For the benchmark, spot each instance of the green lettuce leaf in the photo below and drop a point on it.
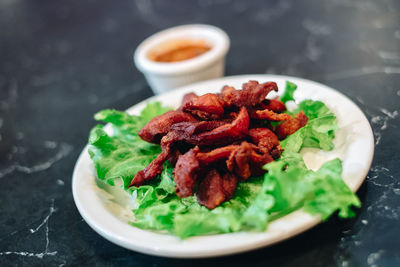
(257, 214)
(319, 130)
(122, 154)
(289, 92)
(115, 158)
(202, 221)
(331, 193)
(322, 192)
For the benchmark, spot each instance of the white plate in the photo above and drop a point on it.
(109, 215)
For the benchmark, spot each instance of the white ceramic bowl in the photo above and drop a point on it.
(163, 77)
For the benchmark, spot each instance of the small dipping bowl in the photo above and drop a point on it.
(165, 76)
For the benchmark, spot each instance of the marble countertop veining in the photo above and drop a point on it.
(62, 61)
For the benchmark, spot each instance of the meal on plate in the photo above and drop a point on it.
(222, 162)
(215, 140)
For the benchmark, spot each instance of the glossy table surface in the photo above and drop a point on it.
(61, 61)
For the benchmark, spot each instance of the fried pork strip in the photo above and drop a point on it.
(159, 126)
(185, 173)
(215, 188)
(291, 126)
(264, 138)
(273, 104)
(270, 115)
(252, 94)
(206, 107)
(227, 133)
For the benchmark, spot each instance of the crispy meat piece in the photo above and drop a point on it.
(174, 155)
(187, 98)
(273, 104)
(237, 158)
(151, 171)
(264, 138)
(191, 128)
(229, 95)
(215, 189)
(270, 115)
(156, 166)
(206, 107)
(239, 161)
(260, 159)
(231, 116)
(252, 94)
(276, 152)
(176, 136)
(221, 153)
(262, 154)
(227, 133)
(187, 132)
(159, 126)
(185, 173)
(291, 126)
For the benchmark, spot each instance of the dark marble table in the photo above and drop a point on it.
(61, 61)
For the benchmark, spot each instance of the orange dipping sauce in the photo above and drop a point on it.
(178, 50)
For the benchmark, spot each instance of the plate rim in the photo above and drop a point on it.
(157, 251)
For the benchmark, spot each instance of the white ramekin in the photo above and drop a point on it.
(166, 76)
